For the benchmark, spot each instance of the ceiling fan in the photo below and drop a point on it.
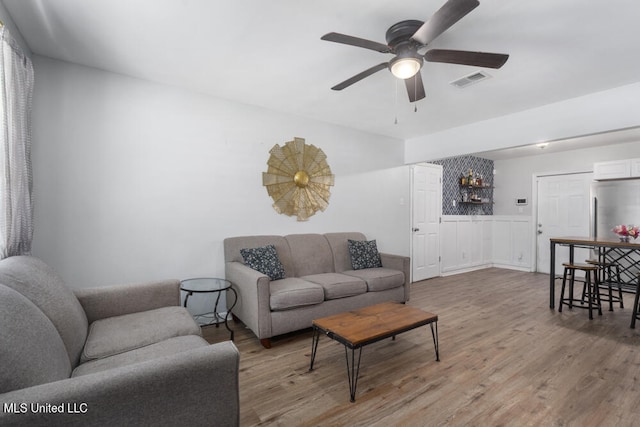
(405, 38)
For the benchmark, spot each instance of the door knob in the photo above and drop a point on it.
(416, 229)
(539, 231)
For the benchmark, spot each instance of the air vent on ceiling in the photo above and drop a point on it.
(470, 79)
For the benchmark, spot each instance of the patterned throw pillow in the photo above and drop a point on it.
(265, 260)
(364, 254)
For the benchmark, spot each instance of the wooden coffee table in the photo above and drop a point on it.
(358, 328)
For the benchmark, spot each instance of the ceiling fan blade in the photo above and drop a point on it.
(356, 41)
(445, 17)
(464, 57)
(360, 76)
(415, 88)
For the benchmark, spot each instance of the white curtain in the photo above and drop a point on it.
(16, 182)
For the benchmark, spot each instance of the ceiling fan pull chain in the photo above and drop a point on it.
(396, 103)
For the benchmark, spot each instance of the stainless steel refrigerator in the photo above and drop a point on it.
(616, 202)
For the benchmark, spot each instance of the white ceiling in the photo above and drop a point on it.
(620, 136)
(269, 53)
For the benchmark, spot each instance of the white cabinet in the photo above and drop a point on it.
(617, 169)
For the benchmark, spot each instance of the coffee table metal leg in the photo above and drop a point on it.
(434, 334)
(314, 346)
(353, 371)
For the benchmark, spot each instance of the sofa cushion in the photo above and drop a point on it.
(364, 254)
(338, 285)
(232, 246)
(340, 248)
(40, 284)
(379, 279)
(265, 260)
(31, 350)
(294, 292)
(115, 335)
(311, 254)
(150, 352)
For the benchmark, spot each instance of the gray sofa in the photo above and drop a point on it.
(118, 355)
(319, 281)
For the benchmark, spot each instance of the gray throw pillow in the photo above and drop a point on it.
(364, 254)
(265, 260)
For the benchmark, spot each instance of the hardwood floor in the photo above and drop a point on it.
(506, 359)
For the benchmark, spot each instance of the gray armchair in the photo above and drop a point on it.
(119, 355)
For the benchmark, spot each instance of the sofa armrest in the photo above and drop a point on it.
(254, 306)
(108, 301)
(402, 263)
(195, 387)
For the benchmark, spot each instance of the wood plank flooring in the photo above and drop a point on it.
(506, 359)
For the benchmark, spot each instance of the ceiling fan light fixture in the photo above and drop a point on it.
(404, 68)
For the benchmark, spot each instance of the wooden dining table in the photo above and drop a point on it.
(608, 248)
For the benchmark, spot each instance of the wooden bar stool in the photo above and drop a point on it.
(609, 274)
(636, 310)
(591, 282)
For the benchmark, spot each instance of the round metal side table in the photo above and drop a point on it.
(205, 285)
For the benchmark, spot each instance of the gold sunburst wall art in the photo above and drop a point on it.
(298, 179)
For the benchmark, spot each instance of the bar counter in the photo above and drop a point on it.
(610, 248)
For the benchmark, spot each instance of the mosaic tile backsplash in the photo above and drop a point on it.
(452, 169)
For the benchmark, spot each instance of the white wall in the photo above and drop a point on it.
(137, 181)
(598, 112)
(514, 177)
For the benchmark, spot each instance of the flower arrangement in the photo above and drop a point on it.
(626, 231)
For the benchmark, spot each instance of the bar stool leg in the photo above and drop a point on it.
(587, 279)
(572, 275)
(608, 275)
(613, 277)
(564, 283)
(610, 291)
(596, 288)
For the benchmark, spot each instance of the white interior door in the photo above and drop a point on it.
(426, 212)
(563, 210)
